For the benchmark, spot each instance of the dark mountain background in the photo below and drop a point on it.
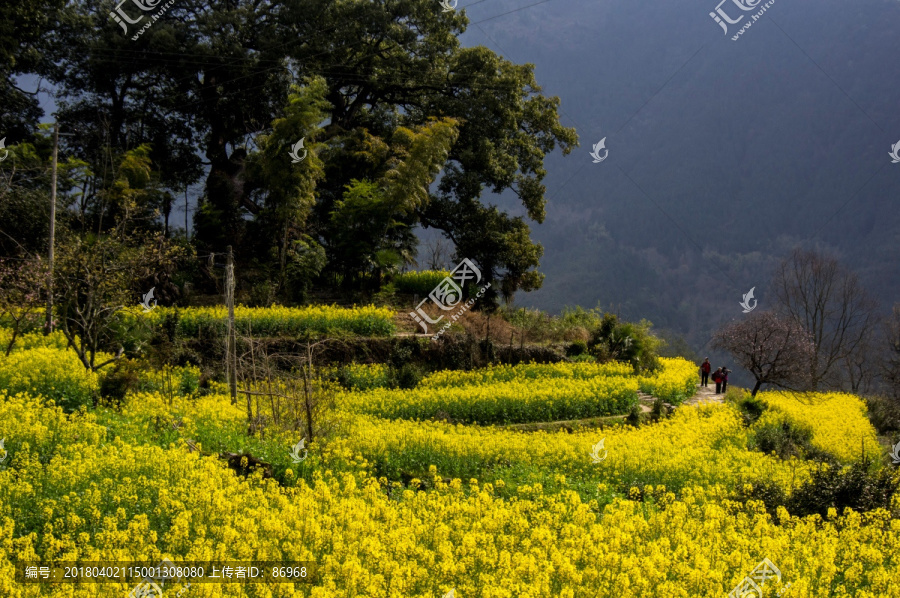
(723, 155)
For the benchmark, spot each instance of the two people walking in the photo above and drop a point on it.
(720, 376)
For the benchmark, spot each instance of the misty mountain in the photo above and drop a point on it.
(723, 155)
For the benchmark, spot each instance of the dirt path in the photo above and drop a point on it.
(705, 394)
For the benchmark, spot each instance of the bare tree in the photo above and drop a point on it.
(23, 286)
(92, 284)
(828, 300)
(891, 364)
(774, 349)
(437, 252)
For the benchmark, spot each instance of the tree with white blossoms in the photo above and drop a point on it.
(774, 349)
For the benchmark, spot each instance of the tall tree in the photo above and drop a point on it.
(399, 63)
(829, 301)
(25, 27)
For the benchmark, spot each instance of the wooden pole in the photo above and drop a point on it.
(230, 349)
(48, 325)
(187, 232)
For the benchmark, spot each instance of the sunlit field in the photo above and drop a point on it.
(397, 503)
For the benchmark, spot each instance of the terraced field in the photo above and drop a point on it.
(396, 503)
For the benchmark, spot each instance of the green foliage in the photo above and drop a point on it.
(635, 416)
(419, 282)
(122, 379)
(286, 191)
(362, 376)
(305, 259)
(626, 341)
(407, 376)
(658, 411)
(784, 437)
(371, 225)
(576, 348)
(856, 487)
(751, 409)
(884, 413)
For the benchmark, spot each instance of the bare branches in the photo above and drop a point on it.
(774, 349)
(832, 305)
(286, 390)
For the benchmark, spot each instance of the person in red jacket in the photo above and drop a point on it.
(704, 372)
(717, 378)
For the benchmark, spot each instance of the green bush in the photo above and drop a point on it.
(751, 407)
(407, 377)
(785, 437)
(635, 416)
(626, 341)
(419, 282)
(118, 381)
(829, 487)
(576, 348)
(835, 487)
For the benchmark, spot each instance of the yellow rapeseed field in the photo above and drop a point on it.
(658, 515)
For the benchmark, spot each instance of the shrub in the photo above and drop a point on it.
(659, 411)
(407, 376)
(784, 437)
(626, 341)
(122, 379)
(751, 407)
(838, 488)
(884, 413)
(358, 376)
(419, 282)
(576, 348)
(635, 416)
(829, 487)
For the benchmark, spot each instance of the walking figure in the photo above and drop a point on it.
(704, 372)
(725, 372)
(717, 378)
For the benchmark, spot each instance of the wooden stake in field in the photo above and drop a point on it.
(230, 348)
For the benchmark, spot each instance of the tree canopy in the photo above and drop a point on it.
(401, 127)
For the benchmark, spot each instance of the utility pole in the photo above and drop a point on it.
(187, 232)
(48, 326)
(230, 348)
